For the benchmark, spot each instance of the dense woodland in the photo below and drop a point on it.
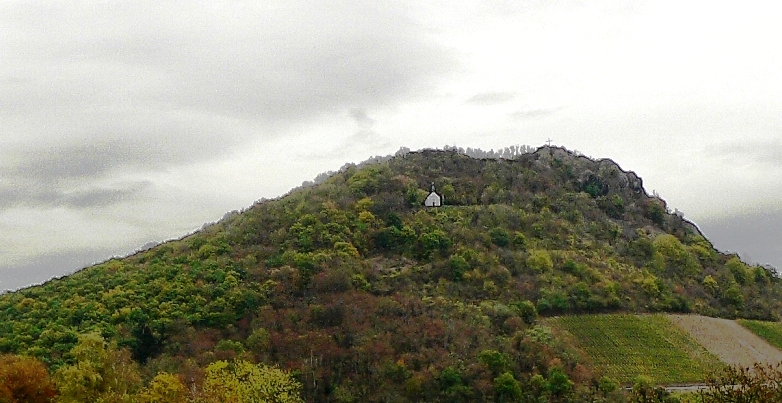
(349, 290)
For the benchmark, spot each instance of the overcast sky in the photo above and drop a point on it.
(129, 122)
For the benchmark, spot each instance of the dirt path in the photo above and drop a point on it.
(728, 340)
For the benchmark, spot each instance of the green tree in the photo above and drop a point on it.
(506, 388)
(452, 387)
(527, 312)
(496, 361)
(558, 383)
(655, 210)
(678, 259)
(710, 284)
(499, 236)
(739, 270)
(607, 385)
(458, 267)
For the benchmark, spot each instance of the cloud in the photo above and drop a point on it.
(143, 86)
(44, 267)
(749, 152)
(361, 118)
(99, 197)
(533, 113)
(35, 195)
(362, 143)
(753, 235)
(100, 172)
(491, 98)
(273, 59)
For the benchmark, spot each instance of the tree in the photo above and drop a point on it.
(644, 391)
(452, 387)
(100, 372)
(24, 380)
(499, 236)
(506, 388)
(241, 381)
(539, 261)
(526, 309)
(496, 361)
(558, 382)
(736, 384)
(164, 387)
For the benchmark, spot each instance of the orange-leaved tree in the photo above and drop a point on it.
(24, 379)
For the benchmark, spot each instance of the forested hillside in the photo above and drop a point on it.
(365, 295)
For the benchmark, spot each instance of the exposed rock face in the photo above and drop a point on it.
(634, 182)
(606, 171)
(604, 178)
(616, 178)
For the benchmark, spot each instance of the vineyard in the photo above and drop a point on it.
(626, 346)
(768, 331)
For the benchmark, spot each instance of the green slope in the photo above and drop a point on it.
(768, 331)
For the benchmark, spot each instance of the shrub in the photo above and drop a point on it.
(496, 361)
(506, 388)
(736, 384)
(527, 312)
(499, 237)
(655, 210)
(739, 270)
(539, 261)
(458, 267)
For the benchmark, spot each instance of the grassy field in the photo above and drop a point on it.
(768, 331)
(625, 346)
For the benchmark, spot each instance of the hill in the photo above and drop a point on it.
(369, 296)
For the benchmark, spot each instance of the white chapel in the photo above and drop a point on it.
(434, 199)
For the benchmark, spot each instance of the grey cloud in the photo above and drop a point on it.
(43, 268)
(38, 195)
(73, 175)
(365, 139)
(533, 113)
(98, 197)
(54, 172)
(274, 60)
(50, 165)
(90, 90)
(491, 98)
(753, 235)
(749, 152)
(361, 118)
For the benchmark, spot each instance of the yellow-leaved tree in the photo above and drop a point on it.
(164, 388)
(240, 381)
(100, 373)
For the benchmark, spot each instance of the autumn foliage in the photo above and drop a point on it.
(24, 380)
